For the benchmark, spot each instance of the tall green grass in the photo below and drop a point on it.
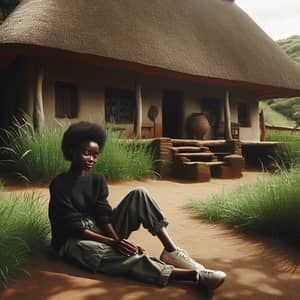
(36, 157)
(24, 229)
(123, 159)
(288, 155)
(269, 206)
(32, 156)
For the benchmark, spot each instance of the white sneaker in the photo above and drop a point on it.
(180, 259)
(210, 278)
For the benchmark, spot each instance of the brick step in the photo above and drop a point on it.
(181, 143)
(195, 154)
(220, 155)
(201, 171)
(190, 149)
(205, 163)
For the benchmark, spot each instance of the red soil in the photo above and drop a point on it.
(256, 268)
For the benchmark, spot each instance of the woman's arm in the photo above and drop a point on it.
(110, 231)
(122, 246)
(103, 217)
(91, 235)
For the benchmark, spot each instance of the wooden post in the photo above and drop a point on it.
(139, 110)
(227, 117)
(38, 108)
(262, 126)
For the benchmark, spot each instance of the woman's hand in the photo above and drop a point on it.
(122, 246)
(127, 248)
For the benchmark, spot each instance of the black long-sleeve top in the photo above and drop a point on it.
(74, 198)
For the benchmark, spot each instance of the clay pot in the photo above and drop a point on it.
(197, 125)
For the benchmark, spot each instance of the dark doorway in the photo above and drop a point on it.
(212, 109)
(172, 111)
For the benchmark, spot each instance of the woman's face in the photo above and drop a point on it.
(88, 154)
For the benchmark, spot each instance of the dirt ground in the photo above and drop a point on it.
(256, 268)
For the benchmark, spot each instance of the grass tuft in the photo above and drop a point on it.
(289, 152)
(32, 156)
(270, 207)
(24, 231)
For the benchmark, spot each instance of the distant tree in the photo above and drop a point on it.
(6, 7)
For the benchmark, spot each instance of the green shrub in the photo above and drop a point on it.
(24, 229)
(269, 206)
(37, 156)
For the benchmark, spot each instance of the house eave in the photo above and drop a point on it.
(263, 92)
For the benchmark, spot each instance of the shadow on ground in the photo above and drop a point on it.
(272, 271)
(248, 278)
(53, 279)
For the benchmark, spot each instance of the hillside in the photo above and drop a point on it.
(287, 107)
(291, 46)
(272, 117)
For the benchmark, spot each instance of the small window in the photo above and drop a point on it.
(66, 100)
(243, 115)
(119, 106)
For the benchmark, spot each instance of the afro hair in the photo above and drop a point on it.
(80, 132)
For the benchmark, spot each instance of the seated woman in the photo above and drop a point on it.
(87, 231)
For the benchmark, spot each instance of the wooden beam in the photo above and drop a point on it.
(227, 117)
(38, 107)
(139, 109)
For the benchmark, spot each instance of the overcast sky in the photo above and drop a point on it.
(278, 18)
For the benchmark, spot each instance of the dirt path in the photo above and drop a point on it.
(256, 269)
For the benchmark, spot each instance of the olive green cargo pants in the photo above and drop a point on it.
(137, 208)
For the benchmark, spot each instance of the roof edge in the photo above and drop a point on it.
(263, 92)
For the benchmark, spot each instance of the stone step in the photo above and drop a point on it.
(205, 163)
(197, 154)
(220, 155)
(188, 149)
(179, 142)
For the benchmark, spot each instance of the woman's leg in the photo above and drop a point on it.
(183, 275)
(166, 240)
(99, 257)
(139, 208)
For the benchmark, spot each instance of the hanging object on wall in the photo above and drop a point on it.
(197, 126)
(152, 115)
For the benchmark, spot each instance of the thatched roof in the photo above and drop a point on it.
(208, 39)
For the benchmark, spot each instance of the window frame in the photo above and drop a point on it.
(116, 101)
(66, 100)
(243, 114)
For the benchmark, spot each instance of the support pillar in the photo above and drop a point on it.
(262, 126)
(227, 117)
(139, 109)
(38, 107)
